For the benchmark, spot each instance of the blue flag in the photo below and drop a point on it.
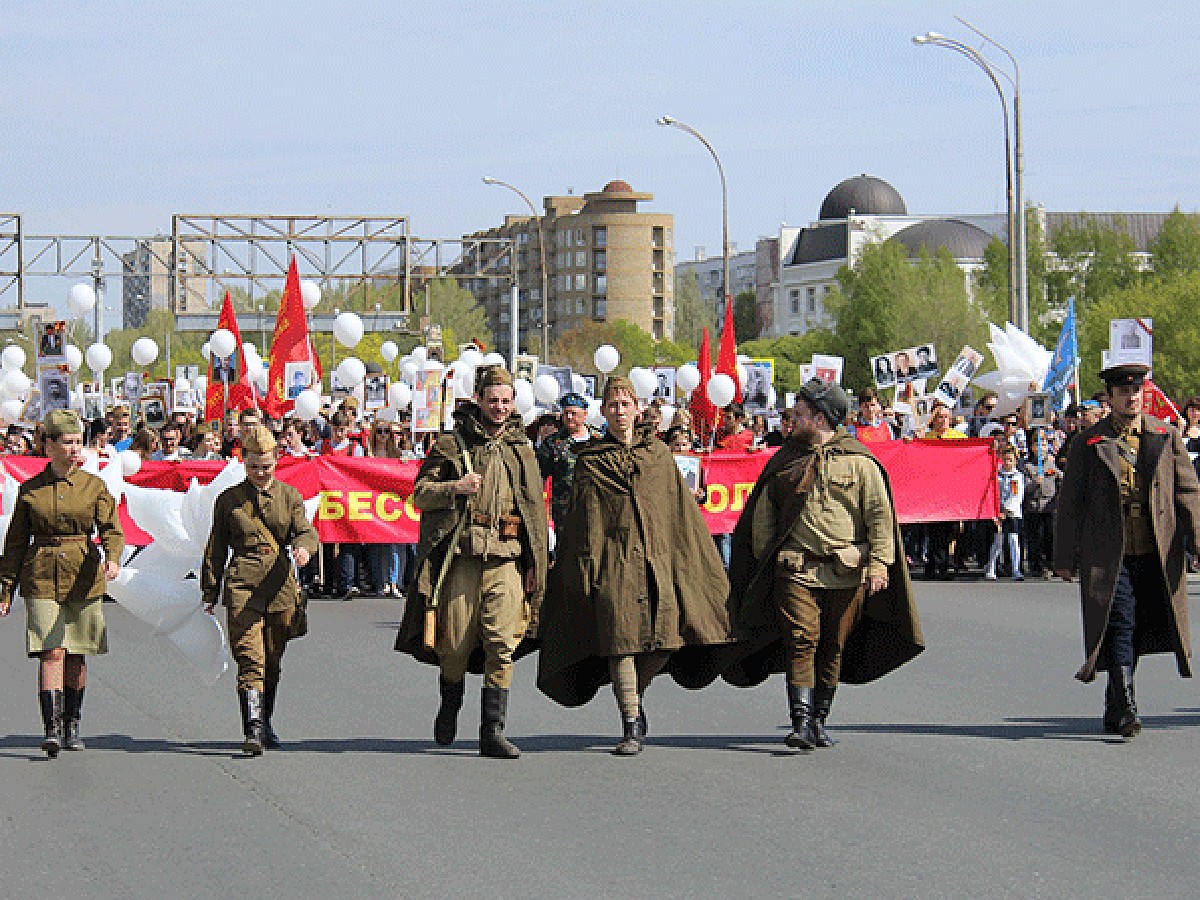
(1066, 358)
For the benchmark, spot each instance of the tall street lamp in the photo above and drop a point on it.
(1019, 160)
(487, 179)
(672, 122)
(940, 40)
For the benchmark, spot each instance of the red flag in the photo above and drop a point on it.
(727, 354)
(229, 384)
(290, 344)
(704, 414)
(1158, 404)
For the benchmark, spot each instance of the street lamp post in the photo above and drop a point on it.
(672, 122)
(487, 179)
(935, 39)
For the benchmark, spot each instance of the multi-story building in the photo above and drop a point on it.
(146, 280)
(605, 260)
(710, 269)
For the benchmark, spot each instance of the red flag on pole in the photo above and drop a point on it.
(727, 354)
(704, 414)
(229, 384)
(290, 344)
(1158, 404)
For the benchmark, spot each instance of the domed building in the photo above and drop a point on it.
(861, 210)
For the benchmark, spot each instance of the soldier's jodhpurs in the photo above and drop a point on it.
(815, 623)
(257, 641)
(1137, 575)
(482, 602)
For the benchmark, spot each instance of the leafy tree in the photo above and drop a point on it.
(692, 313)
(991, 281)
(1093, 261)
(1171, 300)
(577, 348)
(745, 316)
(1176, 247)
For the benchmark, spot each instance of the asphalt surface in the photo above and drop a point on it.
(979, 769)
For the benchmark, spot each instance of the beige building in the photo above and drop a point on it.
(146, 280)
(604, 261)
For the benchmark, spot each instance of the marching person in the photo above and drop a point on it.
(247, 567)
(639, 584)
(819, 581)
(482, 559)
(50, 554)
(1128, 512)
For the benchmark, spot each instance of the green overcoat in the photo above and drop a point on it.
(888, 633)
(636, 572)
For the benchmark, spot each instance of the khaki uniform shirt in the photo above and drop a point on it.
(257, 534)
(843, 532)
(59, 516)
(1135, 502)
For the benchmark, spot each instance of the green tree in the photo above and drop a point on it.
(1171, 300)
(1176, 247)
(745, 316)
(991, 282)
(1094, 260)
(692, 313)
(577, 348)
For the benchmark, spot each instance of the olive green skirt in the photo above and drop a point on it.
(77, 627)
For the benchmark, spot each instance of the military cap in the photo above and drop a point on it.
(62, 421)
(1126, 375)
(571, 398)
(1089, 404)
(258, 441)
(826, 398)
(490, 376)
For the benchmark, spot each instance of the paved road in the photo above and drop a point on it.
(977, 770)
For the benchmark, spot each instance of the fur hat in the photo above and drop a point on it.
(826, 398)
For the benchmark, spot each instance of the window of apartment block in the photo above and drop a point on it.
(601, 284)
(581, 282)
(561, 238)
(656, 282)
(504, 317)
(657, 236)
(600, 236)
(794, 301)
(658, 305)
(599, 260)
(579, 307)
(659, 330)
(658, 260)
(581, 259)
(811, 297)
(579, 241)
(599, 309)
(523, 237)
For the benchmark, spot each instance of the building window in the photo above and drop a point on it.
(657, 237)
(794, 301)
(601, 284)
(658, 260)
(523, 237)
(599, 309)
(579, 242)
(581, 282)
(811, 296)
(658, 307)
(599, 260)
(581, 259)
(600, 236)
(658, 329)
(504, 317)
(579, 307)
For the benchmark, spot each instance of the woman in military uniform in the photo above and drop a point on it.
(50, 554)
(257, 521)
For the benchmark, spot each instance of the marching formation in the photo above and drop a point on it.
(817, 587)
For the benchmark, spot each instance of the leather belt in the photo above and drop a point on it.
(508, 527)
(57, 540)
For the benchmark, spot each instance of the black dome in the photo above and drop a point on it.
(962, 239)
(863, 194)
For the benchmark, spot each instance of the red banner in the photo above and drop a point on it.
(369, 501)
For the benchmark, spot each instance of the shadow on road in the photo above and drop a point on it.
(1070, 728)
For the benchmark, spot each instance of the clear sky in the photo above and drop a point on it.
(115, 115)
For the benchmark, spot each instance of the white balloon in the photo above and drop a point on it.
(743, 358)
(206, 351)
(606, 358)
(408, 371)
(131, 463)
(494, 359)
(721, 390)
(389, 351)
(466, 380)
(528, 416)
(11, 409)
(16, 382)
(644, 382)
(687, 377)
(308, 405)
(471, 357)
(74, 357)
(310, 294)
(578, 383)
(545, 388)
(522, 395)
(595, 417)
(743, 376)
(771, 397)
(348, 329)
(144, 351)
(668, 416)
(419, 355)
(99, 357)
(553, 540)
(261, 378)
(400, 395)
(388, 414)
(351, 371)
(223, 343)
(13, 357)
(200, 385)
(81, 299)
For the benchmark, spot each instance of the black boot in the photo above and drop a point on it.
(52, 717)
(1112, 707)
(252, 721)
(72, 708)
(445, 725)
(800, 705)
(631, 743)
(1127, 721)
(822, 702)
(270, 738)
(492, 741)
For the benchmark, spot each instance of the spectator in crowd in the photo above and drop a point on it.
(121, 429)
(734, 435)
(171, 447)
(208, 445)
(384, 560)
(985, 409)
(1041, 492)
(870, 425)
(1190, 425)
(681, 443)
(145, 443)
(342, 561)
(942, 536)
(1012, 507)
